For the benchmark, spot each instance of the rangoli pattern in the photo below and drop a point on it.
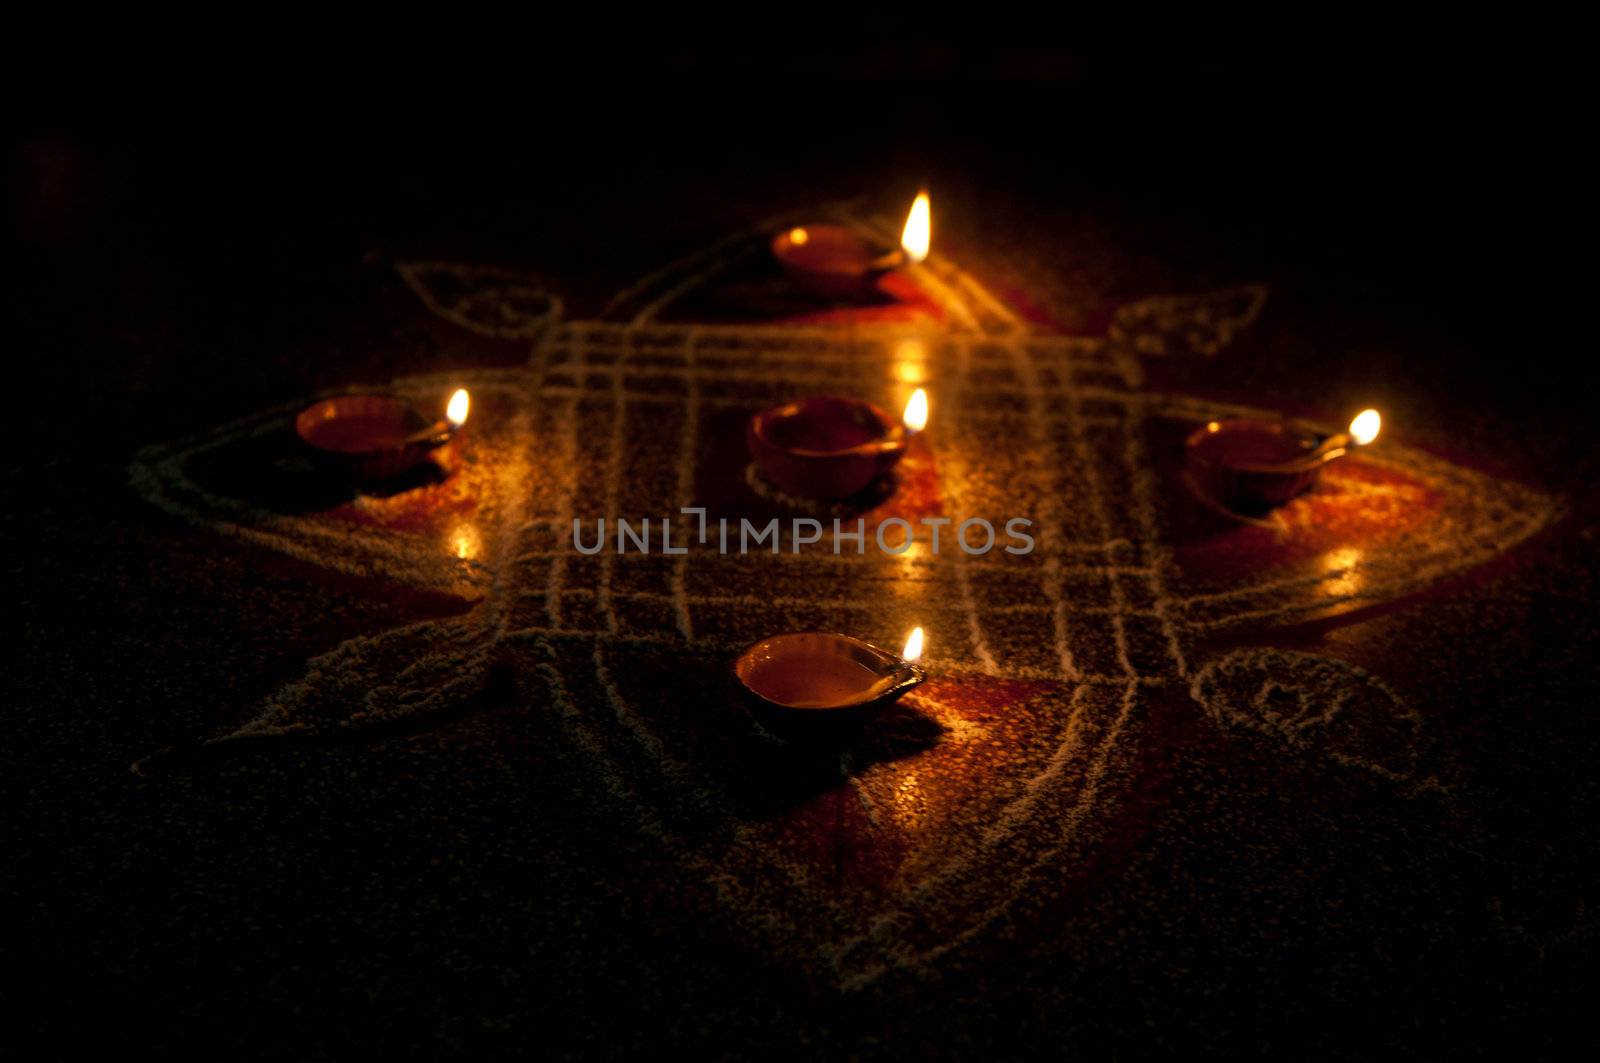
(1013, 762)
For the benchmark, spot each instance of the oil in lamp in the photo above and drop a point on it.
(1253, 465)
(814, 679)
(831, 447)
(375, 437)
(832, 262)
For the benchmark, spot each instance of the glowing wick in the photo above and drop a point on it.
(915, 417)
(456, 412)
(913, 650)
(1364, 429)
(917, 236)
(798, 237)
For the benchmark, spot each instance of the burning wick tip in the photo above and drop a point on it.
(456, 411)
(915, 416)
(917, 236)
(1364, 427)
(1363, 430)
(439, 432)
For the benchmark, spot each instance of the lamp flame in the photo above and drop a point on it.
(915, 417)
(917, 236)
(456, 412)
(798, 237)
(913, 650)
(1364, 429)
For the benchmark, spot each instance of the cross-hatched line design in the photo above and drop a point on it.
(634, 401)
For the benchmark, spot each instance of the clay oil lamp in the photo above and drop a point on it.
(817, 682)
(1255, 465)
(376, 437)
(831, 447)
(832, 262)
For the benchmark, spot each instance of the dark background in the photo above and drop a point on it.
(201, 236)
(1429, 177)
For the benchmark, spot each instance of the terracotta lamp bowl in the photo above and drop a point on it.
(829, 260)
(1252, 465)
(370, 437)
(814, 680)
(826, 447)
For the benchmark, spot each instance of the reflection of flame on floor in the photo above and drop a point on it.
(917, 552)
(1342, 571)
(911, 362)
(910, 804)
(465, 542)
(957, 728)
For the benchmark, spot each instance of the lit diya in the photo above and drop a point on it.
(1258, 464)
(375, 437)
(830, 447)
(833, 262)
(815, 679)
